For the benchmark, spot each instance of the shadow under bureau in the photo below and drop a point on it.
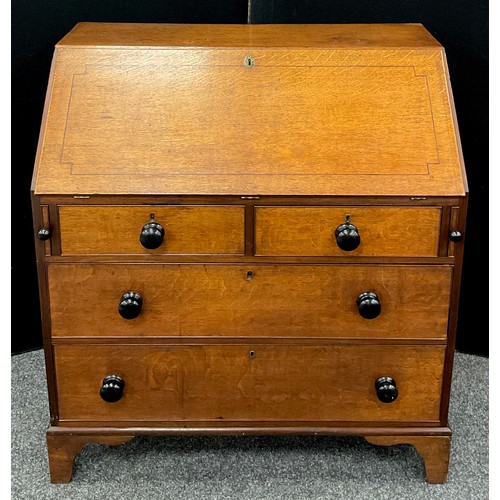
(249, 230)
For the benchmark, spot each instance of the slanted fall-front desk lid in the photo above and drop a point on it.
(249, 110)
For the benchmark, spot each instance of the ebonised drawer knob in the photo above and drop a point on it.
(368, 305)
(152, 234)
(387, 392)
(130, 305)
(347, 235)
(112, 388)
(455, 236)
(43, 234)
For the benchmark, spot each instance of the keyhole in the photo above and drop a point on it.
(249, 275)
(251, 354)
(249, 61)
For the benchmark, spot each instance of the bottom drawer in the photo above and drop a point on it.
(254, 382)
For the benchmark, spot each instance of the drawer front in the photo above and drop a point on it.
(283, 383)
(383, 231)
(117, 229)
(275, 300)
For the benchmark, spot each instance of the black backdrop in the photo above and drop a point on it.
(460, 25)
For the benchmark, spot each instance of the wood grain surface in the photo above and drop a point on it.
(202, 120)
(220, 300)
(384, 231)
(188, 229)
(217, 35)
(228, 382)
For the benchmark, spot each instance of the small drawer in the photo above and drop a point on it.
(253, 382)
(249, 301)
(186, 230)
(382, 231)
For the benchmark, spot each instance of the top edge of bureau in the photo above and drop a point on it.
(275, 36)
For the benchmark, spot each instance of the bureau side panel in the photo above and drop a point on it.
(41, 220)
(458, 250)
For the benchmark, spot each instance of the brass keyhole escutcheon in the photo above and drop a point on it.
(251, 354)
(249, 61)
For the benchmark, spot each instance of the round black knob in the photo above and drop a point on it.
(387, 392)
(347, 237)
(130, 305)
(152, 235)
(43, 234)
(368, 305)
(455, 236)
(112, 388)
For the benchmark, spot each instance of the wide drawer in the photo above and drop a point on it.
(249, 382)
(383, 231)
(254, 300)
(117, 229)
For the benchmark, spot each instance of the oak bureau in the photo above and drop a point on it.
(249, 229)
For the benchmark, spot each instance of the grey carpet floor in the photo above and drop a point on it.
(241, 468)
